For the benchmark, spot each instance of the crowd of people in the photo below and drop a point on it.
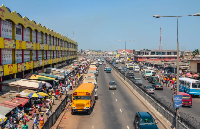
(42, 105)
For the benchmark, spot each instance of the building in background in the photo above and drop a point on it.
(27, 46)
(155, 55)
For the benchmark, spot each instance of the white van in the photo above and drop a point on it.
(136, 69)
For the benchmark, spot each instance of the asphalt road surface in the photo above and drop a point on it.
(115, 109)
(166, 95)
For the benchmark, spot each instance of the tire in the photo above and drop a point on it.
(72, 112)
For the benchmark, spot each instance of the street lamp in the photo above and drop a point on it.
(177, 63)
(125, 47)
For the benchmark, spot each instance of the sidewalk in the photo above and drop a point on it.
(54, 107)
(63, 113)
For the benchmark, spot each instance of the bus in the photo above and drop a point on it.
(83, 98)
(189, 86)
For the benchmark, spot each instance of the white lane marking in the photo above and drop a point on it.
(120, 110)
(113, 92)
(92, 127)
(127, 127)
(116, 100)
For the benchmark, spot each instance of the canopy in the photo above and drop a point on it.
(43, 94)
(48, 75)
(21, 101)
(4, 110)
(39, 77)
(195, 75)
(26, 92)
(9, 104)
(34, 95)
(188, 74)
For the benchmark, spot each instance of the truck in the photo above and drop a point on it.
(93, 81)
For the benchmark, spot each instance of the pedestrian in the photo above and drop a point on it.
(66, 89)
(60, 98)
(25, 126)
(63, 89)
(41, 121)
(57, 93)
(37, 112)
(35, 124)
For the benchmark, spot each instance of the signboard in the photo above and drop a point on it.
(177, 101)
(9, 43)
(41, 46)
(38, 46)
(10, 69)
(49, 61)
(58, 47)
(50, 47)
(35, 64)
(34, 46)
(29, 65)
(29, 45)
(20, 44)
(1, 42)
(21, 67)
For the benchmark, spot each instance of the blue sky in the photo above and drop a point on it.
(98, 24)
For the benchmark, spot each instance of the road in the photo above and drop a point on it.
(166, 95)
(115, 109)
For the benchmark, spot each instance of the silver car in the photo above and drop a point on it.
(149, 89)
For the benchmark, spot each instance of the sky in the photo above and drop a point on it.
(107, 24)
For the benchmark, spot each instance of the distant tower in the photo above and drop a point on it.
(160, 44)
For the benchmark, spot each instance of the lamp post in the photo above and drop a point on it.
(177, 62)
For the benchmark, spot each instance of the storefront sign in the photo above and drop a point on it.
(29, 65)
(20, 44)
(41, 46)
(49, 61)
(21, 67)
(10, 69)
(29, 45)
(1, 42)
(36, 64)
(53, 61)
(34, 46)
(46, 62)
(50, 47)
(46, 47)
(53, 47)
(9, 43)
(58, 47)
(38, 46)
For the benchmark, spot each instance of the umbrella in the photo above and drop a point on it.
(35, 95)
(195, 75)
(188, 74)
(42, 94)
(48, 85)
(2, 119)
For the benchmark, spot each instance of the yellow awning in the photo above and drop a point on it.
(38, 77)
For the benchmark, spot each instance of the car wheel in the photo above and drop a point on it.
(72, 112)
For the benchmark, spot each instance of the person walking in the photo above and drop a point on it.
(41, 121)
(57, 93)
(25, 126)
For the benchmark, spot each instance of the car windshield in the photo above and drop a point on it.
(138, 80)
(195, 85)
(148, 71)
(186, 97)
(131, 74)
(81, 97)
(147, 120)
(158, 84)
(149, 87)
(112, 83)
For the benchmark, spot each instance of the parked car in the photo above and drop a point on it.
(149, 89)
(112, 85)
(144, 120)
(153, 79)
(100, 63)
(157, 86)
(105, 68)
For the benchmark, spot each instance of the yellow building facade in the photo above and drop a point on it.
(27, 45)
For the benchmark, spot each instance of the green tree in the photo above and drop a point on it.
(195, 52)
